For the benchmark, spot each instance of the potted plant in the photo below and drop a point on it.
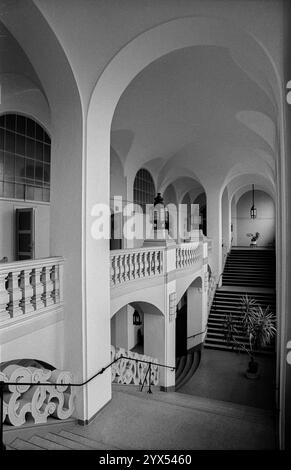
(254, 238)
(258, 325)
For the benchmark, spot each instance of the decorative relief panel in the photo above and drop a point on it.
(36, 401)
(128, 372)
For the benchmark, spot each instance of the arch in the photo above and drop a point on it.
(140, 52)
(144, 189)
(28, 362)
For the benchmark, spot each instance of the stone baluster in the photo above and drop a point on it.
(132, 261)
(4, 298)
(143, 264)
(138, 265)
(123, 268)
(118, 269)
(38, 289)
(55, 277)
(114, 268)
(128, 267)
(147, 264)
(27, 292)
(15, 295)
(48, 286)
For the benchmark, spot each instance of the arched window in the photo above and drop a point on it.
(143, 188)
(25, 159)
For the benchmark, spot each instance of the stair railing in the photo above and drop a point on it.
(197, 334)
(81, 384)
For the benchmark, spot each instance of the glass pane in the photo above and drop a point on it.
(30, 128)
(19, 169)
(1, 138)
(20, 124)
(46, 195)
(38, 194)
(29, 169)
(24, 242)
(8, 189)
(24, 220)
(19, 191)
(46, 173)
(11, 122)
(39, 151)
(47, 153)
(30, 148)
(1, 189)
(9, 166)
(9, 141)
(20, 144)
(47, 138)
(2, 120)
(39, 133)
(1, 165)
(29, 193)
(38, 172)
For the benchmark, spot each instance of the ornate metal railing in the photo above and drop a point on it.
(28, 287)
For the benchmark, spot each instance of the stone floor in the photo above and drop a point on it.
(221, 376)
(218, 409)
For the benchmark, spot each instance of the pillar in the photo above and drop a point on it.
(214, 230)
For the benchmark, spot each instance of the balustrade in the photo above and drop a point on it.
(29, 286)
(128, 265)
(188, 254)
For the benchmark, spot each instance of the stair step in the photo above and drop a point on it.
(21, 444)
(47, 443)
(67, 442)
(89, 443)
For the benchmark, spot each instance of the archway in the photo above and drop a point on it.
(263, 224)
(145, 49)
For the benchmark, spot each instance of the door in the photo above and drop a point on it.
(24, 234)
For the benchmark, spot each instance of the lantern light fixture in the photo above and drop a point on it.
(136, 318)
(253, 210)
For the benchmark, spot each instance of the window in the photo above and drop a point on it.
(143, 188)
(25, 159)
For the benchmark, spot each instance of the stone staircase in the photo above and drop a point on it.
(250, 267)
(247, 271)
(186, 366)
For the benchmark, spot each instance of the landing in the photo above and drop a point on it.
(220, 376)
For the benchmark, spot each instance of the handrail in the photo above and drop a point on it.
(53, 384)
(197, 334)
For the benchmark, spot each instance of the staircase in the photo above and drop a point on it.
(247, 271)
(250, 267)
(186, 366)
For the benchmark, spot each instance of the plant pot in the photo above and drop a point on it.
(252, 372)
(253, 244)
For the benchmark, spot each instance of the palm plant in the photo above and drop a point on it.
(257, 323)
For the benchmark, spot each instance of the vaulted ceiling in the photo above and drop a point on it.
(197, 112)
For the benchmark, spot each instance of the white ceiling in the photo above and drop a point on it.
(195, 110)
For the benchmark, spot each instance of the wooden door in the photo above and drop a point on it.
(24, 234)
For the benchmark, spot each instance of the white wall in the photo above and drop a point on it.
(123, 331)
(264, 223)
(7, 228)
